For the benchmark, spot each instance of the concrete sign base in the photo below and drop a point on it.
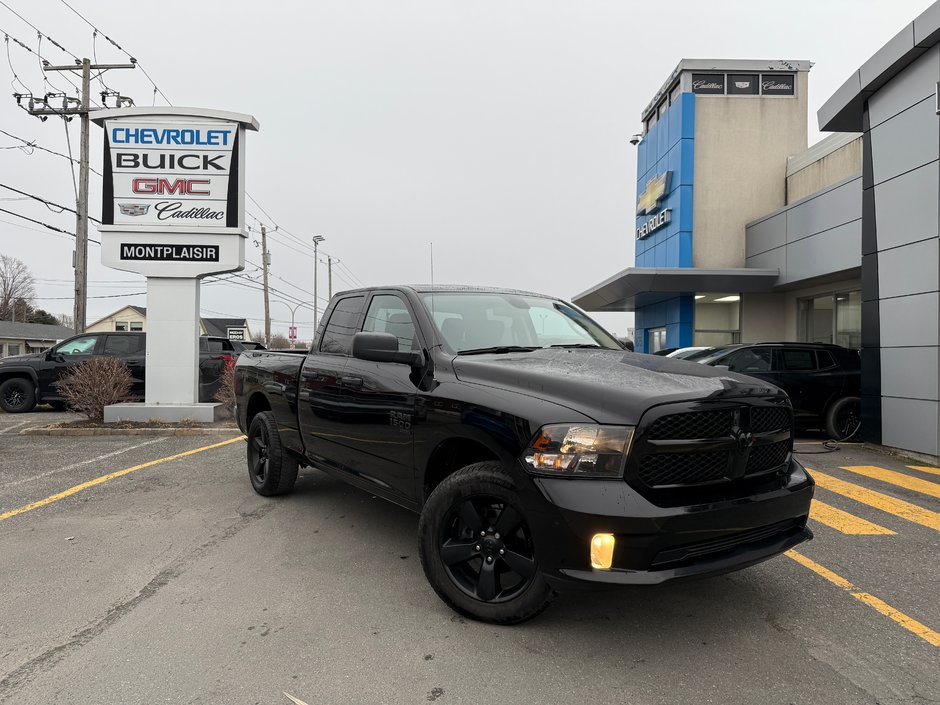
(205, 413)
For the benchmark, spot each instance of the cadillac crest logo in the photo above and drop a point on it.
(133, 208)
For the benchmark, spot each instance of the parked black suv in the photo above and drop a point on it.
(539, 453)
(822, 381)
(27, 380)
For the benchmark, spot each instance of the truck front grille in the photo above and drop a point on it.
(710, 446)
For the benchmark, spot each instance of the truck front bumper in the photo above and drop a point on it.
(656, 544)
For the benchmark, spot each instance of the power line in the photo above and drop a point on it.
(84, 19)
(35, 52)
(104, 296)
(45, 225)
(32, 145)
(51, 40)
(44, 201)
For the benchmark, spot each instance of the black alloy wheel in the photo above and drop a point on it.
(271, 468)
(478, 549)
(487, 549)
(258, 458)
(844, 418)
(17, 396)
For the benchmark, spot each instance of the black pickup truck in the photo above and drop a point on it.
(540, 454)
(27, 380)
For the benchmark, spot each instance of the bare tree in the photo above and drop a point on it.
(65, 319)
(279, 342)
(16, 288)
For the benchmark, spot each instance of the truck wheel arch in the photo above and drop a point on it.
(450, 456)
(256, 404)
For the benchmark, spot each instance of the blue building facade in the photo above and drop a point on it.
(668, 148)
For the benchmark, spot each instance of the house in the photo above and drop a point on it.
(22, 338)
(134, 318)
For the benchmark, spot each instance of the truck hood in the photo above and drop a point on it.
(610, 386)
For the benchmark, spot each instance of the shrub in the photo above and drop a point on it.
(225, 394)
(95, 384)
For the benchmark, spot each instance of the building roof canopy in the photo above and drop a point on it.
(619, 292)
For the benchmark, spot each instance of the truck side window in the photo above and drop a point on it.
(342, 326)
(388, 314)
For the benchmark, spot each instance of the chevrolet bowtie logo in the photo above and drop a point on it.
(656, 190)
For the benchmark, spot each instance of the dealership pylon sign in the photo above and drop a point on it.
(173, 210)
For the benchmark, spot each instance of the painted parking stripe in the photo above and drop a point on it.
(110, 476)
(926, 487)
(909, 623)
(843, 521)
(73, 466)
(925, 468)
(7, 429)
(897, 507)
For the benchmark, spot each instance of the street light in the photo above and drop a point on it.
(317, 239)
(293, 311)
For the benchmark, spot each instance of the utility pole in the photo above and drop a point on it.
(41, 108)
(329, 277)
(317, 239)
(265, 262)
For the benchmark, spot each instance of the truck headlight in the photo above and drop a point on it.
(579, 450)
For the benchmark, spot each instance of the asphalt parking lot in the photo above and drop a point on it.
(145, 570)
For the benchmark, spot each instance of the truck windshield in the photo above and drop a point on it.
(502, 322)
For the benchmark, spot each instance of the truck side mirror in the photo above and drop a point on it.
(383, 347)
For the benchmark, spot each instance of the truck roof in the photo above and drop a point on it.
(449, 288)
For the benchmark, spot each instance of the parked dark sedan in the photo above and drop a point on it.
(822, 381)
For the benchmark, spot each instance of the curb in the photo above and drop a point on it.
(52, 431)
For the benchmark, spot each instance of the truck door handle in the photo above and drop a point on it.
(352, 382)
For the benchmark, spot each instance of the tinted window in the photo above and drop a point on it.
(825, 359)
(343, 324)
(750, 360)
(797, 360)
(388, 314)
(123, 344)
(78, 346)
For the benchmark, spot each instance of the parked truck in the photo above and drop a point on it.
(540, 454)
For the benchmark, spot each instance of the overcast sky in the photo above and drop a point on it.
(496, 130)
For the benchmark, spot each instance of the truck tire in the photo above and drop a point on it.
(17, 396)
(477, 550)
(843, 419)
(271, 469)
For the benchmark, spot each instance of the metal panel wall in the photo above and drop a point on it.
(901, 267)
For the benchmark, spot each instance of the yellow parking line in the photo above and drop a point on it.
(110, 476)
(897, 507)
(925, 468)
(896, 478)
(843, 521)
(909, 623)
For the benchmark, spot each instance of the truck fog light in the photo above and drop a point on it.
(602, 551)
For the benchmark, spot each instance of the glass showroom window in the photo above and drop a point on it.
(717, 319)
(832, 318)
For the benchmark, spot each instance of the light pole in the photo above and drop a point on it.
(317, 239)
(293, 312)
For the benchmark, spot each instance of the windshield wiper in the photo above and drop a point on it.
(498, 349)
(580, 345)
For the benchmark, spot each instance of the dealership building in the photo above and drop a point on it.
(743, 234)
